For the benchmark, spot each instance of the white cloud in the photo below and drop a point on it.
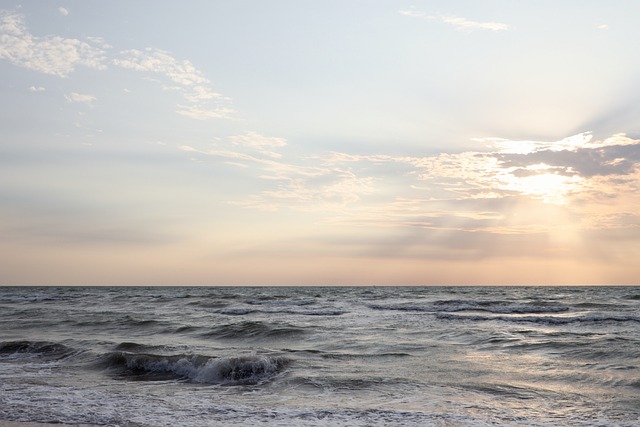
(159, 61)
(36, 89)
(603, 27)
(472, 192)
(295, 186)
(184, 77)
(468, 25)
(459, 23)
(50, 54)
(80, 97)
(262, 144)
(202, 93)
(63, 11)
(99, 41)
(412, 13)
(198, 113)
(60, 56)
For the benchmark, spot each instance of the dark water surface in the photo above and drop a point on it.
(410, 356)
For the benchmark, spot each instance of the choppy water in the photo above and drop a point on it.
(443, 356)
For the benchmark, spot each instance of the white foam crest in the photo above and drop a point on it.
(237, 369)
(226, 370)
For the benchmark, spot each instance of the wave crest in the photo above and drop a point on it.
(253, 329)
(199, 369)
(551, 320)
(453, 306)
(35, 349)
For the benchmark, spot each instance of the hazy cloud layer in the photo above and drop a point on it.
(468, 192)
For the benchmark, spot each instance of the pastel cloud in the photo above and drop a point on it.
(80, 97)
(60, 56)
(462, 24)
(54, 55)
(296, 185)
(469, 25)
(471, 194)
(186, 78)
(263, 144)
(159, 61)
(198, 113)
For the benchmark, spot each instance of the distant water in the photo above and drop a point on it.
(296, 356)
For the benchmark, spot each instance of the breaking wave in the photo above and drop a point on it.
(200, 369)
(43, 350)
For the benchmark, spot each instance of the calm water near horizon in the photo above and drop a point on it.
(321, 356)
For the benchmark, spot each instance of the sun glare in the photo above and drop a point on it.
(549, 187)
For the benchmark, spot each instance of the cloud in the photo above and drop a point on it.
(60, 56)
(159, 61)
(294, 185)
(548, 190)
(63, 11)
(80, 98)
(202, 93)
(412, 13)
(260, 143)
(468, 25)
(36, 89)
(54, 55)
(617, 155)
(462, 24)
(184, 77)
(198, 113)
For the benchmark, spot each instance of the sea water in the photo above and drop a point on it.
(321, 356)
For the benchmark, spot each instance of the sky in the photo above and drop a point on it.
(295, 142)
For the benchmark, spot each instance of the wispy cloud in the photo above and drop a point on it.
(263, 144)
(80, 98)
(50, 54)
(159, 61)
(36, 89)
(296, 185)
(460, 23)
(199, 113)
(469, 25)
(63, 11)
(467, 192)
(413, 13)
(184, 76)
(60, 56)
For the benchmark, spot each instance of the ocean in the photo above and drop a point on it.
(321, 356)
